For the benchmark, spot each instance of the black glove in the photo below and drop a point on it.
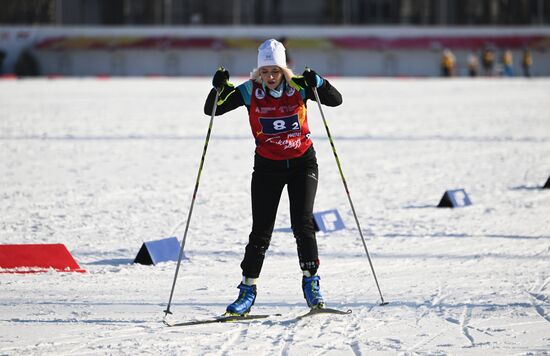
(311, 78)
(220, 78)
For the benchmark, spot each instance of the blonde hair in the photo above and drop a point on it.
(255, 74)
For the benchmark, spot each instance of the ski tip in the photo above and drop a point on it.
(384, 303)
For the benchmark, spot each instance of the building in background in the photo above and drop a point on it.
(275, 12)
(340, 37)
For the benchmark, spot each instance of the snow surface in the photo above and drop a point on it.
(103, 165)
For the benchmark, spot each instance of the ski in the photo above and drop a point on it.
(238, 318)
(220, 319)
(324, 311)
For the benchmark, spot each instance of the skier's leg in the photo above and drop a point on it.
(302, 189)
(266, 189)
(266, 194)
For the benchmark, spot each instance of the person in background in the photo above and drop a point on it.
(289, 61)
(276, 100)
(488, 62)
(26, 65)
(526, 62)
(473, 64)
(447, 63)
(507, 63)
(2, 56)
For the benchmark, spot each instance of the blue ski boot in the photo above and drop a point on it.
(312, 292)
(244, 302)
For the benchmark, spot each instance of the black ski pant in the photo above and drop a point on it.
(268, 180)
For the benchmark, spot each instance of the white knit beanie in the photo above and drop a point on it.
(271, 53)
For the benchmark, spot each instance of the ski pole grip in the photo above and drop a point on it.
(221, 69)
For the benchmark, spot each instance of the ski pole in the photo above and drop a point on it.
(167, 311)
(347, 192)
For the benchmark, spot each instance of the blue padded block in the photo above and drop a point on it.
(455, 198)
(328, 221)
(153, 252)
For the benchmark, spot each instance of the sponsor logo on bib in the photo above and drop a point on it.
(260, 94)
(290, 91)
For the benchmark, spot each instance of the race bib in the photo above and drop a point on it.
(278, 125)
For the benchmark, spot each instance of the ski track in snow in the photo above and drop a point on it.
(239, 334)
(102, 166)
(287, 337)
(538, 300)
(465, 320)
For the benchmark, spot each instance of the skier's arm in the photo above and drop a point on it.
(328, 94)
(229, 98)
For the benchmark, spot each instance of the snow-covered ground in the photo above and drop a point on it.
(102, 166)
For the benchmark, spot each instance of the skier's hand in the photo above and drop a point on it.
(220, 78)
(312, 79)
(220, 81)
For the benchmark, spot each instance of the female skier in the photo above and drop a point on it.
(276, 102)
